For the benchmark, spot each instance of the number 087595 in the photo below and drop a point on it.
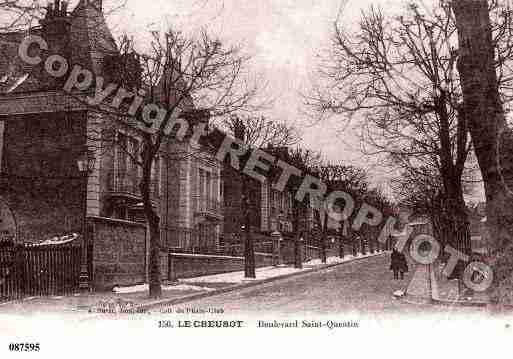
(24, 347)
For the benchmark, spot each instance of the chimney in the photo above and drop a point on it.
(56, 10)
(49, 10)
(56, 26)
(64, 8)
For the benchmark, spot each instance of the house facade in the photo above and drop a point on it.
(271, 210)
(44, 131)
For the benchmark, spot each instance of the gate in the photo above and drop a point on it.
(38, 271)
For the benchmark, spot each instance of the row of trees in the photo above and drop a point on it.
(260, 133)
(192, 76)
(430, 88)
(189, 76)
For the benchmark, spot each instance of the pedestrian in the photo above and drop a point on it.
(403, 265)
(398, 264)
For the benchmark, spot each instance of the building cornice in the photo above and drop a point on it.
(41, 102)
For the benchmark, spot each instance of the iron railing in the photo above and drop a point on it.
(209, 205)
(127, 182)
(38, 270)
(188, 240)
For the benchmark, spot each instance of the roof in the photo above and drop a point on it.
(89, 41)
(14, 73)
(90, 36)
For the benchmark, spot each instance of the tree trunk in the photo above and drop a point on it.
(298, 261)
(249, 250)
(324, 236)
(482, 104)
(154, 260)
(153, 222)
(458, 232)
(492, 139)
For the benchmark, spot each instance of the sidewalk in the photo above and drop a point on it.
(448, 292)
(172, 293)
(430, 285)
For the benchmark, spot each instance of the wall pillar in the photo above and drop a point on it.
(93, 143)
(2, 129)
(264, 215)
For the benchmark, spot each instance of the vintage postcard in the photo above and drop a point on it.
(271, 177)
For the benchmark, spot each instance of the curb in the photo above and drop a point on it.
(459, 303)
(215, 292)
(412, 299)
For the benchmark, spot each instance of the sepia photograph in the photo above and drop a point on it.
(256, 177)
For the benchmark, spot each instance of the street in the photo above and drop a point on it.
(363, 286)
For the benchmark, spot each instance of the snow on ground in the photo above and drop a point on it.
(335, 260)
(398, 293)
(238, 277)
(267, 272)
(145, 288)
(57, 240)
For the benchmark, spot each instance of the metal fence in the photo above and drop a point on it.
(183, 238)
(209, 205)
(128, 182)
(188, 240)
(38, 270)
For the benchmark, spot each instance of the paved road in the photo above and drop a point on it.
(364, 286)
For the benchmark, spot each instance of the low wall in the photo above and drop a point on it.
(196, 265)
(312, 252)
(307, 252)
(117, 252)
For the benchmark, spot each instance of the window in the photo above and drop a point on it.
(125, 166)
(122, 157)
(205, 184)
(127, 153)
(155, 176)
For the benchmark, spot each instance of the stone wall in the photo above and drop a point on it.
(307, 252)
(232, 198)
(195, 265)
(232, 204)
(118, 252)
(312, 252)
(40, 180)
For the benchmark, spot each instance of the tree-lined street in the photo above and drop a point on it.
(190, 105)
(365, 286)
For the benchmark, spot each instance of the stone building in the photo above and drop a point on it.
(270, 209)
(45, 130)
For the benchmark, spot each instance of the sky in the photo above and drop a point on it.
(284, 38)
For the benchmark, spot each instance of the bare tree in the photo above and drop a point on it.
(192, 78)
(256, 132)
(484, 103)
(18, 15)
(260, 131)
(337, 177)
(305, 160)
(397, 74)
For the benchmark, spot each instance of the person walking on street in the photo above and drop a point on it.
(398, 264)
(403, 265)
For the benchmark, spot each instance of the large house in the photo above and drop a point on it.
(271, 210)
(44, 131)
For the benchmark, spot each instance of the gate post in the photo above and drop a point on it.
(90, 256)
(171, 271)
(20, 275)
